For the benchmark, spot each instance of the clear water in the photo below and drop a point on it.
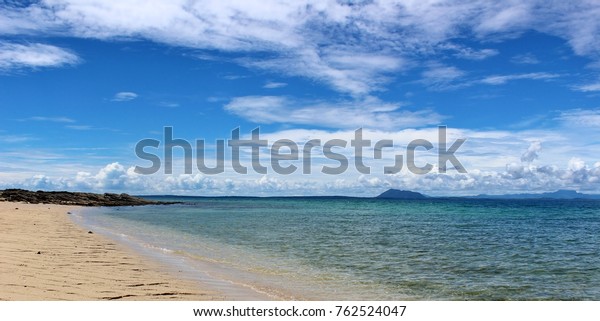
(364, 249)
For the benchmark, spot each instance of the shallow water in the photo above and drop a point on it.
(365, 249)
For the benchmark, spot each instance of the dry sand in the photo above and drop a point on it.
(45, 256)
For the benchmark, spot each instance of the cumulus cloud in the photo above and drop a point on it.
(496, 162)
(516, 177)
(34, 55)
(532, 152)
(112, 177)
(124, 96)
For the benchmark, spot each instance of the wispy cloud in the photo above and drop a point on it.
(469, 53)
(49, 119)
(503, 79)
(168, 104)
(369, 112)
(11, 139)
(34, 55)
(90, 127)
(80, 127)
(343, 69)
(441, 77)
(354, 47)
(274, 85)
(234, 77)
(588, 87)
(525, 59)
(581, 118)
(466, 53)
(124, 96)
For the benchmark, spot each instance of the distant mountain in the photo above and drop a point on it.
(560, 194)
(401, 195)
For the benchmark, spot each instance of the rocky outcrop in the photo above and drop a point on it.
(73, 198)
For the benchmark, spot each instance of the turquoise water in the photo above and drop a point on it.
(365, 249)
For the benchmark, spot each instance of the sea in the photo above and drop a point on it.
(368, 249)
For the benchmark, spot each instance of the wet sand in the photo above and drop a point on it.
(45, 256)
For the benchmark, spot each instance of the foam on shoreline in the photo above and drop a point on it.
(209, 276)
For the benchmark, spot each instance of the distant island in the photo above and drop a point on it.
(400, 194)
(73, 198)
(560, 194)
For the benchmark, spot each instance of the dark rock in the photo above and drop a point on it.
(74, 198)
(39, 252)
(90, 232)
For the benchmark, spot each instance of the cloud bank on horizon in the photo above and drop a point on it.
(82, 81)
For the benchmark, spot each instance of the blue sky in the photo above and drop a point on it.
(81, 82)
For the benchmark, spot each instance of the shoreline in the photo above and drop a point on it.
(209, 274)
(46, 256)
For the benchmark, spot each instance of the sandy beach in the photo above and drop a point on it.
(45, 256)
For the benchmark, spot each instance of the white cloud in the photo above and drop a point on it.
(581, 118)
(344, 69)
(34, 55)
(589, 87)
(274, 85)
(234, 77)
(369, 112)
(532, 152)
(470, 53)
(497, 162)
(441, 77)
(505, 16)
(12, 139)
(576, 22)
(575, 164)
(525, 59)
(124, 96)
(50, 119)
(79, 127)
(503, 79)
(353, 47)
(168, 104)
(515, 177)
